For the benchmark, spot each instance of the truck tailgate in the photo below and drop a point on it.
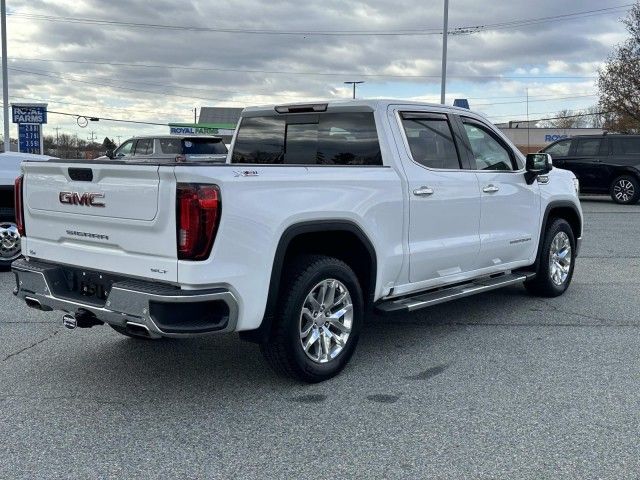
(109, 217)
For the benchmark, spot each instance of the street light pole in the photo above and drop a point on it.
(354, 86)
(445, 34)
(5, 76)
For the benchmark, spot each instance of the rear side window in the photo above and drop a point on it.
(625, 146)
(309, 139)
(560, 149)
(144, 147)
(587, 147)
(171, 146)
(431, 141)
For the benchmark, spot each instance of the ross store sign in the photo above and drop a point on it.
(23, 113)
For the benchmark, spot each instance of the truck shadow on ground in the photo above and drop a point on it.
(221, 366)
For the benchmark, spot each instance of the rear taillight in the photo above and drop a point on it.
(198, 209)
(18, 205)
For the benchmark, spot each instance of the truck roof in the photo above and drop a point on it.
(357, 104)
(201, 137)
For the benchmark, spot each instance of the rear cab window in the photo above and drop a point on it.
(333, 138)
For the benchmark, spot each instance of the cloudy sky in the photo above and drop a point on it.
(155, 60)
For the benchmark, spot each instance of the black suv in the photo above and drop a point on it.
(606, 164)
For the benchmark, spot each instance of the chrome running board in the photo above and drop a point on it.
(447, 294)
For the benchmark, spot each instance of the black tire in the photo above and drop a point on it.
(284, 351)
(5, 264)
(542, 284)
(127, 333)
(625, 190)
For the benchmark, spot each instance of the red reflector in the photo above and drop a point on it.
(18, 206)
(197, 214)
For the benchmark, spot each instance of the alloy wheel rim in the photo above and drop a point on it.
(624, 190)
(326, 320)
(560, 258)
(9, 241)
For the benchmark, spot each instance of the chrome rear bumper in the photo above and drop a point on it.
(156, 307)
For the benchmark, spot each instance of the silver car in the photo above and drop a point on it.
(172, 147)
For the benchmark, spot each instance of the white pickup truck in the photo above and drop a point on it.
(321, 213)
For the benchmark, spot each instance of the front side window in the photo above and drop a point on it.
(488, 152)
(124, 149)
(144, 147)
(559, 149)
(587, 147)
(308, 139)
(431, 141)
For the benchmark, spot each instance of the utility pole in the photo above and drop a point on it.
(445, 35)
(119, 137)
(93, 137)
(354, 86)
(195, 113)
(528, 125)
(5, 76)
(57, 138)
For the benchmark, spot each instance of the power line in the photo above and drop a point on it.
(286, 72)
(257, 31)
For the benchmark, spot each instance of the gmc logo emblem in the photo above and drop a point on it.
(85, 199)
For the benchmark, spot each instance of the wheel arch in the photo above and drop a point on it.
(559, 209)
(622, 171)
(343, 239)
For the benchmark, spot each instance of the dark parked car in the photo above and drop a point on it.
(604, 164)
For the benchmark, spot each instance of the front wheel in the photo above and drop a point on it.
(625, 190)
(557, 259)
(318, 319)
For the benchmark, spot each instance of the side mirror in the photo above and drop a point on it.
(537, 164)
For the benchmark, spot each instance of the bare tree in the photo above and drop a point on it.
(565, 119)
(619, 80)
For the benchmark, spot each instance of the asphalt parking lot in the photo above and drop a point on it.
(497, 386)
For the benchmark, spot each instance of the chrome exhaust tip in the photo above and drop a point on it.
(138, 329)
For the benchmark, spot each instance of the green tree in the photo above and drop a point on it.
(619, 80)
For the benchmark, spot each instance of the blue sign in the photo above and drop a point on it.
(29, 138)
(29, 113)
(553, 138)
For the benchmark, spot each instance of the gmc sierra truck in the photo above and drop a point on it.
(322, 213)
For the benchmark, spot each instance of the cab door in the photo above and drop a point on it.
(444, 199)
(510, 216)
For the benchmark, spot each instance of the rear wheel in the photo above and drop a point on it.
(555, 269)
(319, 315)
(625, 190)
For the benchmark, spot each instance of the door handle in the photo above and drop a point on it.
(490, 189)
(423, 191)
